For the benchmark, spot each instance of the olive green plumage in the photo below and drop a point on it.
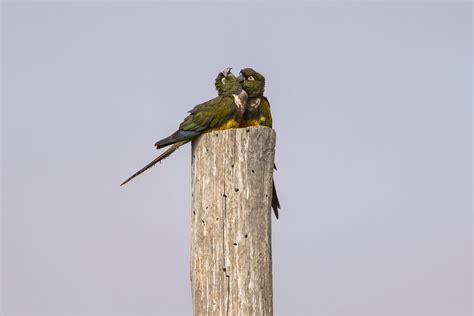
(253, 82)
(224, 111)
(258, 107)
(257, 111)
(240, 103)
(226, 82)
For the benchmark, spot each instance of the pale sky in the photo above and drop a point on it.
(372, 109)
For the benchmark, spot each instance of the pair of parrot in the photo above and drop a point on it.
(240, 103)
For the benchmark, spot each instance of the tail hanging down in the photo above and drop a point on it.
(275, 201)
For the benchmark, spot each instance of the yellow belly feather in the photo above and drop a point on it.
(227, 125)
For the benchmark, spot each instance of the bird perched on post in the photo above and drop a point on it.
(257, 111)
(223, 112)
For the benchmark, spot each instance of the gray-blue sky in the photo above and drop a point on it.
(372, 108)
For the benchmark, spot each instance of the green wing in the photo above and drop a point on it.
(209, 115)
(267, 114)
(201, 118)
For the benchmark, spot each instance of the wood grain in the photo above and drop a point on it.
(231, 259)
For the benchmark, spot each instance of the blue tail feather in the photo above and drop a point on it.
(177, 136)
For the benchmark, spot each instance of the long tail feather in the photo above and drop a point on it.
(164, 155)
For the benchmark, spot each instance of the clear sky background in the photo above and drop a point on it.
(372, 108)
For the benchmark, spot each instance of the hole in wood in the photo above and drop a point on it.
(246, 235)
(253, 171)
(236, 189)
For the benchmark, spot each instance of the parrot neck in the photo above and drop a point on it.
(240, 101)
(253, 103)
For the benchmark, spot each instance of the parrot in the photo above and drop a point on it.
(257, 112)
(222, 112)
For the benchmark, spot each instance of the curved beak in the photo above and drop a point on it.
(226, 71)
(241, 78)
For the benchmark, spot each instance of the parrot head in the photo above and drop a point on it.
(226, 83)
(252, 82)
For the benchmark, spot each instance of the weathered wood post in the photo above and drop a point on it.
(231, 258)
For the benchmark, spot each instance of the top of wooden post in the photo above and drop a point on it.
(231, 267)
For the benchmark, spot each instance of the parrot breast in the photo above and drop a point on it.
(240, 100)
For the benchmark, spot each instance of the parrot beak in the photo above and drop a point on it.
(226, 71)
(241, 78)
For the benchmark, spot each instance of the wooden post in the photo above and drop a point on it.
(231, 258)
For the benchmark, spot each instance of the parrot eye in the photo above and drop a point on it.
(223, 80)
(250, 78)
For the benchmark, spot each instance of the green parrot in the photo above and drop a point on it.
(257, 111)
(223, 112)
(258, 108)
